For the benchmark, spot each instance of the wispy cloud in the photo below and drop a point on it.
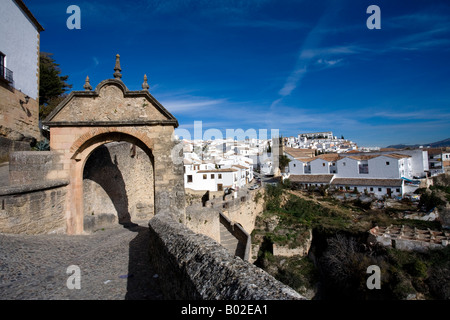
(420, 30)
(417, 115)
(190, 105)
(312, 52)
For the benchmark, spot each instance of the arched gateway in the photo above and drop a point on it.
(88, 119)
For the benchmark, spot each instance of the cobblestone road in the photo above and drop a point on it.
(113, 266)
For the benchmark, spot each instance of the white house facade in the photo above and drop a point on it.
(209, 176)
(378, 174)
(19, 70)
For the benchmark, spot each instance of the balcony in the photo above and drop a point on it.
(6, 75)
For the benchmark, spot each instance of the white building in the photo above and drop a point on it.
(232, 171)
(324, 164)
(376, 187)
(389, 166)
(381, 173)
(19, 70)
(435, 162)
(317, 135)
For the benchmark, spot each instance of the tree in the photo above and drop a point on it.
(52, 86)
(283, 162)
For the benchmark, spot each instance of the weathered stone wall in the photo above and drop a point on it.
(286, 251)
(33, 208)
(109, 106)
(244, 208)
(409, 239)
(243, 248)
(241, 210)
(203, 220)
(7, 146)
(193, 266)
(118, 185)
(18, 119)
(28, 167)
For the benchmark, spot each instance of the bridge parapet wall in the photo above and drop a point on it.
(29, 167)
(194, 266)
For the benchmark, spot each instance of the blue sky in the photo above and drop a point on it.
(292, 65)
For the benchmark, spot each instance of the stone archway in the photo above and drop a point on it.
(88, 119)
(117, 180)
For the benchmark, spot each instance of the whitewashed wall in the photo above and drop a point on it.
(19, 42)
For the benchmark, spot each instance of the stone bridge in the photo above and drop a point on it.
(91, 177)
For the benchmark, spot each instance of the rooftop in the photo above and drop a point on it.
(368, 182)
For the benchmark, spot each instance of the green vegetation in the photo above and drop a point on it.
(340, 250)
(295, 211)
(52, 86)
(429, 199)
(283, 162)
(43, 145)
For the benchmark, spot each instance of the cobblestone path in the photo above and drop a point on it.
(113, 265)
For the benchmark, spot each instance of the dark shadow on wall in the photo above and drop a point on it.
(143, 282)
(102, 169)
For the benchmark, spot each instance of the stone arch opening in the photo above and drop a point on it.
(118, 186)
(113, 181)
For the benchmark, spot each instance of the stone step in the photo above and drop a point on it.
(227, 240)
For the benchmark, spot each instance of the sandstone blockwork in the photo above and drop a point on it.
(19, 115)
(118, 151)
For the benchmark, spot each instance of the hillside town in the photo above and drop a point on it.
(315, 159)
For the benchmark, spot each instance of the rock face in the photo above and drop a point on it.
(196, 267)
(286, 251)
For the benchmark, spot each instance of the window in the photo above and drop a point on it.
(205, 176)
(387, 163)
(323, 164)
(363, 167)
(379, 189)
(294, 165)
(5, 73)
(212, 176)
(2, 65)
(220, 176)
(397, 190)
(343, 164)
(371, 189)
(189, 178)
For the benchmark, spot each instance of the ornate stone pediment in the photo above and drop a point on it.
(111, 103)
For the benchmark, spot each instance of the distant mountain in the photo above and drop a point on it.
(438, 144)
